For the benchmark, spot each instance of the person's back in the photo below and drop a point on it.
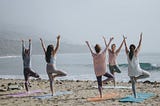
(27, 71)
(26, 61)
(99, 61)
(26, 55)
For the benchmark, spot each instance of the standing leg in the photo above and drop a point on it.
(26, 77)
(112, 71)
(51, 82)
(114, 80)
(133, 86)
(26, 85)
(50, 70)
(51, 86)
(99, 80)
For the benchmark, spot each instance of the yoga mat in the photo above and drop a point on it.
(104, 97)
(23, 94)
(140, 97)
(116, 87)
(48, 96)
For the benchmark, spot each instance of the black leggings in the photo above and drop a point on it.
(28, 72)
(99, 78)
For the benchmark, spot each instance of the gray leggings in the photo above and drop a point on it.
(51, 70)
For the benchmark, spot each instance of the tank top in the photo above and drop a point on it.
(52, 60)
(133, 66)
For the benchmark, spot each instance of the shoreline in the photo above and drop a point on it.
(81, 91)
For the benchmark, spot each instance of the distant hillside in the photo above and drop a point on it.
(13, 47)
(9, 45)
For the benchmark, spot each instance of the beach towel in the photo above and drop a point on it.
(140, 97)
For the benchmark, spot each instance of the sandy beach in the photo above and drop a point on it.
(81, 90)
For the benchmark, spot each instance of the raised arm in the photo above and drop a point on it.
(30, 47)
(58, 43)
(23, 48)
(89, 47)
(43, 46)
(109, 42)
(105, 41)
(120, 47)
(139, 45)
(126, 48)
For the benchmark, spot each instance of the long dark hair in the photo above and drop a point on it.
(131, 52)
(48, 53)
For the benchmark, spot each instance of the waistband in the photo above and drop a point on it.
(50, 64)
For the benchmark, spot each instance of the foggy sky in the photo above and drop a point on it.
(80, 20)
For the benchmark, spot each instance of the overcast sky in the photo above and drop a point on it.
(80, 20)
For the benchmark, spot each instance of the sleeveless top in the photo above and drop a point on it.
(133, 66)
(52, 61)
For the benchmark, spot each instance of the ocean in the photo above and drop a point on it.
(79, 66)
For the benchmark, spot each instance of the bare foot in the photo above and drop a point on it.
(101, 96)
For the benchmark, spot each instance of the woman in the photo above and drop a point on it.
(26, 55)
(113, 53)
(134, 70)
(50, 56)
(99, 60)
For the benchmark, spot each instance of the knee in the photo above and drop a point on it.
(26, 82)
(112, 77)
(99, 85)
(65, 74)
(37, 76)
(147, 74)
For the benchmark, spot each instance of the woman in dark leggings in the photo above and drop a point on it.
(99, 60)
(26, 56)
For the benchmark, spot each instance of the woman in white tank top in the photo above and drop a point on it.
(134, 70)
